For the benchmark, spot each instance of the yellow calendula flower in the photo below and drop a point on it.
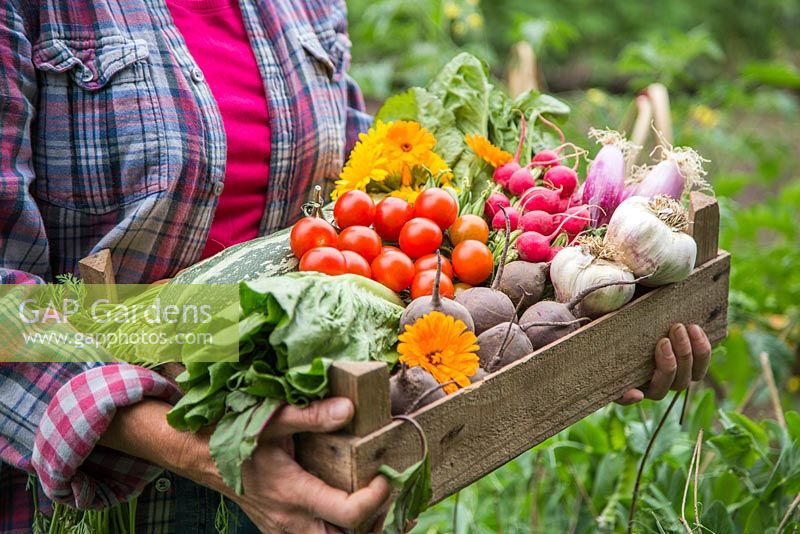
(485, 150)
(366, 164)
(704, 116)
(406, 143)
(474, 21)
(407, 193)
(442, 346)
(451, 10)
(436, 165)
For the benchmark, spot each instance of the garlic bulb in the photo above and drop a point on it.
(649, 235)
(577, 269)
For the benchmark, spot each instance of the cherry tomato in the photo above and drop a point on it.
(423, 285)
(395, 270)
(469, 227)
(419, 237)
(326, 260)
(437, 205)
(354, 208)
(356, 264)
(472, 261)
(391, 214)
(390, 248)
(311, 232)
(428, 263)
(360, 239)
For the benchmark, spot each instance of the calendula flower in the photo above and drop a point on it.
(451, 10)
(437, 167)
(485, 150)
(407, 193)
(366, 163)
(443, 346)
(406, 144)
(474, 21)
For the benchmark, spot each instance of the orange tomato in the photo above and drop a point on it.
(469, 227)
(423, 285)
(472, 261)
(428, 263)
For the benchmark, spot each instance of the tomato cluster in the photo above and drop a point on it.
(368, 233)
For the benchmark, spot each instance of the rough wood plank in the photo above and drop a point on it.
(367, 385)
(99, 269)
(475, 431)
(704, 225)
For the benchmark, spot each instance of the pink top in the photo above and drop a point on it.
(215, 34)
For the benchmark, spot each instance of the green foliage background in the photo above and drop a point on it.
(733, 78)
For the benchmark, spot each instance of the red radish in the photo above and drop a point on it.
(499, 221)
(553, 252)
(576, 224)
(520, 181)
(545, 158)
(502, 174)
(537, 221)
(492, 203)
(562, 177)
(535, 247)
(564, 204)
(540, 198)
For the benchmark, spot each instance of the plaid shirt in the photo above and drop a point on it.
(110, 138)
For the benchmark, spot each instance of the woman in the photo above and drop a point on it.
(166, 130)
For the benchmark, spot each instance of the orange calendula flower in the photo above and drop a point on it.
(407, 143)
(442, 346)
(487, 151)
(437, 167)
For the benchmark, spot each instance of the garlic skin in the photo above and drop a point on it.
(574, 270)
(650, 246)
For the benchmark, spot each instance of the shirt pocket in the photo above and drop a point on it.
(99, 131)
(329, 53)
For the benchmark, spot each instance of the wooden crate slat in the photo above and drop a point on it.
(480, 428)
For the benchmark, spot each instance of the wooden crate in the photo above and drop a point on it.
(479, 428)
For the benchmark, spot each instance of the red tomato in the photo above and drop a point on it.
(311, 232)
(469, 227)
(472, 261)
(423, 285)
(395, 270)
(391, 214)
(326, 260)
(356, 264)
(419, 237)
(428, 263)
(354, 208)
(360, 239)
(390, 248)
(437, 205)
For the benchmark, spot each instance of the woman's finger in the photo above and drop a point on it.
(701, 351)
(320, 416)
(666, 367)
(631, 396)
(682, 347)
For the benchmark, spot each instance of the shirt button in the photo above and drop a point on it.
(197, 75)
(163, 484)
(218, 187)
(87, 75)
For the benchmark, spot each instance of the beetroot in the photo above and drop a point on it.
(499, 220)
(563, 178)
(503, 173)
(523, 282)
(502, 344)
(480, 374)
(547, 311)
(492, 203)
(412, 388)
(520, 181)
(541, 199)
(538, 221)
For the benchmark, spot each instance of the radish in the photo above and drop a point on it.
(499, 220)
(502, 174)
(540, 198)
(520, 181)
(545, 158)
(422, 306)
(574, 225)
(553, 252)
(563, 178)
(535, 247)
(538, 221)
(495, 199)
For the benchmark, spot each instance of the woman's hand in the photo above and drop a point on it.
(681, 358)
(279, 495)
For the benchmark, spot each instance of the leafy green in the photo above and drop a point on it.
(289, 329)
